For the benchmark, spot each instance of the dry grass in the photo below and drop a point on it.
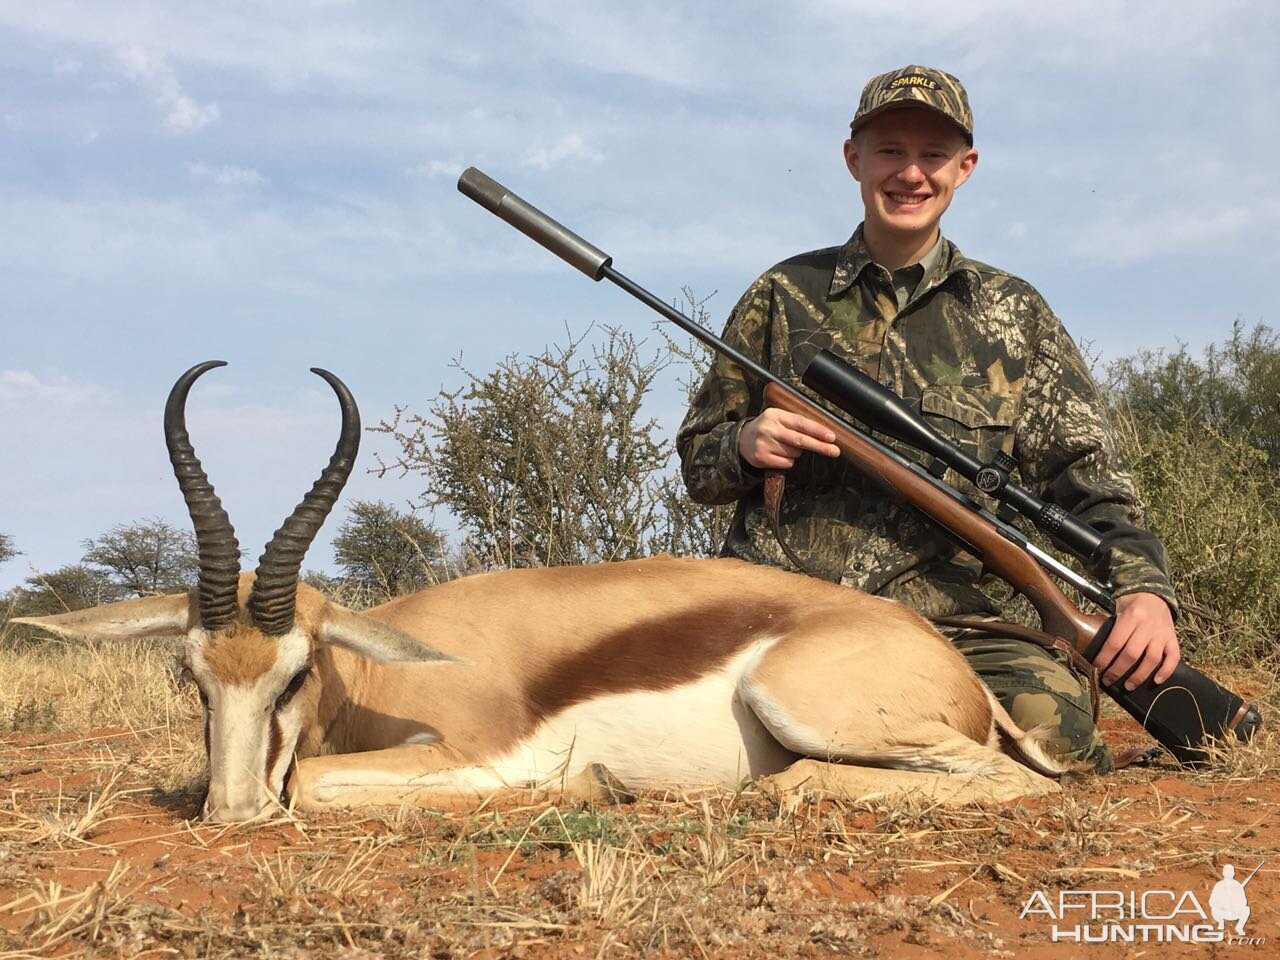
(68, 686)
(69, 820)
(1233, 761)
(57, 915)
(346, 873)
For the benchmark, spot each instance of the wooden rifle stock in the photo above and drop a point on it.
(1058, 615)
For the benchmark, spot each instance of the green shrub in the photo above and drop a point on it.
(1211, 498)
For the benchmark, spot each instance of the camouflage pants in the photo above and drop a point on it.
(1037, 687)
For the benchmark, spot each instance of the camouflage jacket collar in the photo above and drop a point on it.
(853, 258)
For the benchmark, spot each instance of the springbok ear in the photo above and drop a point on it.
(373, 638)
(166, 616)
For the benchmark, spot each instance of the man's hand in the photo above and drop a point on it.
(773, 440)
(1143, 634)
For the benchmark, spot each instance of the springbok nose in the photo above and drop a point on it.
(234, 812)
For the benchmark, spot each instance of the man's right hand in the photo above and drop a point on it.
(773, 440)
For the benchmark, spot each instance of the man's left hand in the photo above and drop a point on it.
(1143, 634)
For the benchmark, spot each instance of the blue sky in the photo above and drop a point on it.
(273, 184)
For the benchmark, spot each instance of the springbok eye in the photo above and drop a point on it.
(294, 686)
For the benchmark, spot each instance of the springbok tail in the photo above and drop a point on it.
(1027, 746)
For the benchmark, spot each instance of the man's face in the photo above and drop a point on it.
(908, 162)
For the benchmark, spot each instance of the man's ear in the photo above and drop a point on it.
(967, 164)
(851, 158)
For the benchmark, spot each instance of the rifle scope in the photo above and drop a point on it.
(883, 410)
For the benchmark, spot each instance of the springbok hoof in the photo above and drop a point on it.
(595, 783)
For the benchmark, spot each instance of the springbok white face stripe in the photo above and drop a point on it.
(242, 722)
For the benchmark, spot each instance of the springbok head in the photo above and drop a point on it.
(251, 640)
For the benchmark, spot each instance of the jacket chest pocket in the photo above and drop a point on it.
(975, 418)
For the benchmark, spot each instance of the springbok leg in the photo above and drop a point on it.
(871, 723)
(427, 776)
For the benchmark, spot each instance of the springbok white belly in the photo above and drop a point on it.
(697, 733)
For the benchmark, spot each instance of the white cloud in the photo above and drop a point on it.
(571, 146)
(67, 66)
(234, 240)
(287, 43)
(1124, 235)
(151, 72)
(19, 388)
(675, 45)
(437, 168)
(226, 175)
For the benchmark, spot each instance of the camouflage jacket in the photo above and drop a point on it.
(983, 358)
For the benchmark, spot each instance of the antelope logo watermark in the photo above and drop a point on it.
(1147, 916)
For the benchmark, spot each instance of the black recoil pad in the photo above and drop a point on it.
(1183, 712)
(533, 223)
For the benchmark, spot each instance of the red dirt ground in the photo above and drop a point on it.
(723, 875)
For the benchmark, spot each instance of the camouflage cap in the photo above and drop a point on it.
(914, 85)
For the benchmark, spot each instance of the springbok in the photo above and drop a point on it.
(662, 672)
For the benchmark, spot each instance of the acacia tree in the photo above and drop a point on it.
(72, 587)
(7, 549)
(552, 459)
(547, 460)
(388, 551)
(145, 557)
(1234, 388)
(129, 560)
(1202, 436)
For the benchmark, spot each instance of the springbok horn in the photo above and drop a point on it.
(215, 538)
(274, 594)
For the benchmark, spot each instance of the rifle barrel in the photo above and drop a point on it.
(591, 260)
(533, 223)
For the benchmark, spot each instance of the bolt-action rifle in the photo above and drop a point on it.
(1183, 713)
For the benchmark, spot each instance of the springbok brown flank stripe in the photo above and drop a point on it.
(659, 653)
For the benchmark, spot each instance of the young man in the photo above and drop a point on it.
(980, 354)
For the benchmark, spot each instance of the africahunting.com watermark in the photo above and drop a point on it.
(1148, 916)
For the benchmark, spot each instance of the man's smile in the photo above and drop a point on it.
(908, 199)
